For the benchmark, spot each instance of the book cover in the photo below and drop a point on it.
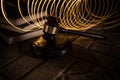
(11, 37)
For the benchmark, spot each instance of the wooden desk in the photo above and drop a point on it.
(90, 59)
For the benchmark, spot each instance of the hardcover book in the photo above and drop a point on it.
(11, 37)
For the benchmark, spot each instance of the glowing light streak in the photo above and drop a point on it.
(39, 13)
(52, 7)
(61, 15)
(34, 11)
(5, 16)
(28, 10)
(73, 14)
(19, 8)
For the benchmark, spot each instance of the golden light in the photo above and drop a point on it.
(73, 14)
(65, 16)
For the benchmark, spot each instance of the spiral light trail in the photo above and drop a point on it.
(73, 14)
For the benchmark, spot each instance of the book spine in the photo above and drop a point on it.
(25, 36)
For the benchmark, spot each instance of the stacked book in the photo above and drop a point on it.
(12, 35)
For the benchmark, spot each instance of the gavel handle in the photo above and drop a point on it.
(81, 33)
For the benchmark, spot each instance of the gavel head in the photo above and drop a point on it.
(52, 25)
